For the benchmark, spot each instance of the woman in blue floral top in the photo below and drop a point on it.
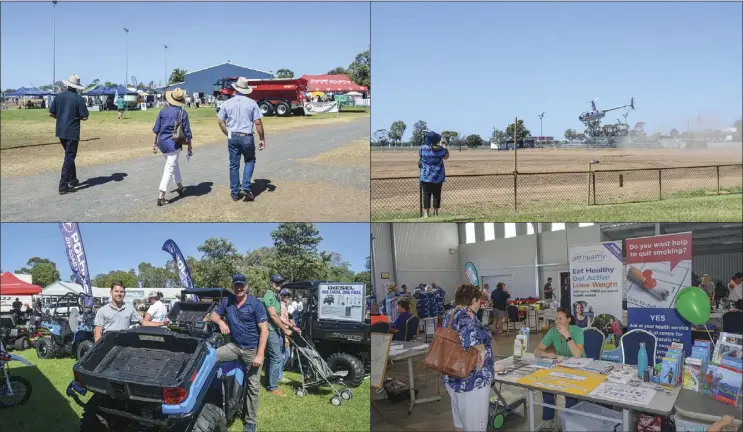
(431, 157)
(470, 396)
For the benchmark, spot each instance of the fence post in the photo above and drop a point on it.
(718, 179)
(660, 185)
(515, 195)
(420, 198)
(593, 180)
(589, 186)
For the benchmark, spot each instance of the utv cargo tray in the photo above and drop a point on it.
(137, 364)
(190, 316)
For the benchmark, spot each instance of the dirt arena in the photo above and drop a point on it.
(565, 181)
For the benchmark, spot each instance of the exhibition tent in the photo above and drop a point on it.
(10, 285)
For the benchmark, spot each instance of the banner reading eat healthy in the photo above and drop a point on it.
(596, 279)
(658, 268)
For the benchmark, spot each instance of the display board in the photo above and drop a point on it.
(596, 276)
(567, 380)
(341, 301)
(380, 353)
(658, 268)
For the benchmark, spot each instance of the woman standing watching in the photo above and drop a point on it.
(470, 396)
(567, 341)
(164, 128)
(432, 155)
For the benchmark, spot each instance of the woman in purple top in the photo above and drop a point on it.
(399, 327)
(164, 128)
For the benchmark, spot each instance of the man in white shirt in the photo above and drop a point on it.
(157, 313)
(736, 287)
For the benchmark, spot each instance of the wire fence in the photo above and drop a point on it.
(402, 197)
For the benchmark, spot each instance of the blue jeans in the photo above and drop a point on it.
(275, 359)
(285, 350)
(69, 171)
(549, 413)
(241, 146)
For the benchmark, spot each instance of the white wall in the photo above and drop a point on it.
(382, 256)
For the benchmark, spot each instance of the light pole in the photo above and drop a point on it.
(54, 44)
(540, 125)
(126, 71)
(166, 64)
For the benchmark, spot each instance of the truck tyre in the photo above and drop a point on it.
(90, 421)
(266, 108)
(45, 348)
(211, 419)
(283, 109)
(347, 362)
(82, 348)
(21, 344)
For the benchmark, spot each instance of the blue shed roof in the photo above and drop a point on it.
(203, 80)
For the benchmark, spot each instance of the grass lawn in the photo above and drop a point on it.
(51, 409)
(723, 208)
(30, 135)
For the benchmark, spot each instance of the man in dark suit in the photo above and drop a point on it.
(68, 108)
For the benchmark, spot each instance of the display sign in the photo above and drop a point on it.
(658, 268)
(596, 276)
(341, 301)
(471, 272)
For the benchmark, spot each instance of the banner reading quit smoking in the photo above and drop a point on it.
(596, 282)
(658, 268)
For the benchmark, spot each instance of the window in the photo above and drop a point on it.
(585, 224)
(558, 226)
(529, 228)
(489, 231)
(469, 232)
(510, 230)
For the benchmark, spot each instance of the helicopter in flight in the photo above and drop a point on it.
(596, 114)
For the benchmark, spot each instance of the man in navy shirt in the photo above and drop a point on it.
(68, 108)
(399, 326)
(247, 325)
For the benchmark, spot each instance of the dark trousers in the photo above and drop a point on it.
(69, 172)
(241, 147)
(549, 398)
(431, 190)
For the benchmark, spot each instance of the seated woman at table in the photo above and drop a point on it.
(398, 327)
(470, 396)
(566, 340)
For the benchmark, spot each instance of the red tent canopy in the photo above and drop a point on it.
(10, 285)
(332, 83)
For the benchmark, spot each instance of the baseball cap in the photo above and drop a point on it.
(277, 279)
(284, 292)
(239, 279)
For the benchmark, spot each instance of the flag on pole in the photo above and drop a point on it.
(76, 257)
(184, 274)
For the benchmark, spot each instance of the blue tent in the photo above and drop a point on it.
(24, 91)
(120, 89)
(95, 91)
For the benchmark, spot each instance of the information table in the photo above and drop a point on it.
(406, 351)
(696, 406)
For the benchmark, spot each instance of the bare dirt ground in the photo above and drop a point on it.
(569, 184)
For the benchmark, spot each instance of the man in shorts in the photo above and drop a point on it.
(500, 298)
(247, 325)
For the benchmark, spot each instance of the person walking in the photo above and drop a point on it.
(275, 339)
(238, 117)
(470, 396)
(248, 329)
(500, 298)
(432, 155)
(708, 287)
(68, 108)
(120, 106)
(164, 128)
(548, 289)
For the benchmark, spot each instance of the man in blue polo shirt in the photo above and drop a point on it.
(247, 325)
(68, 108)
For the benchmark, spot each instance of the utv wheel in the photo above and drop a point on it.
(45, 348)
(22, 344)
(90, 421)
(83, 348)
(346, 362)
(300, 393)
(211, 419)
(347, 395)
(335, 400)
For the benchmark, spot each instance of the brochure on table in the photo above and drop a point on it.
(341, 302)
(658, 268)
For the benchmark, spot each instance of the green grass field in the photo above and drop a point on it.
(51, 409)
(723, 208)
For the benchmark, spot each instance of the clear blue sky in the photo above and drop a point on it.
(122, 246)
(308, 38)
(472, 66)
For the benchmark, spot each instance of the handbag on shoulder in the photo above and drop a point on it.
(446, 354)
(179, 135)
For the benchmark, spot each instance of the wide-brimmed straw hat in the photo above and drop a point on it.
(176, 97)
(242, 86)
(74, 82)
(392, 287)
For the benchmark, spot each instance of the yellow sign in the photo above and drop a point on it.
(566, 380)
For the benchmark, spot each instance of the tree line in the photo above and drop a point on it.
(394, 135)
(294, 255)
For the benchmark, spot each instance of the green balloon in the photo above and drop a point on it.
(693, 304)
